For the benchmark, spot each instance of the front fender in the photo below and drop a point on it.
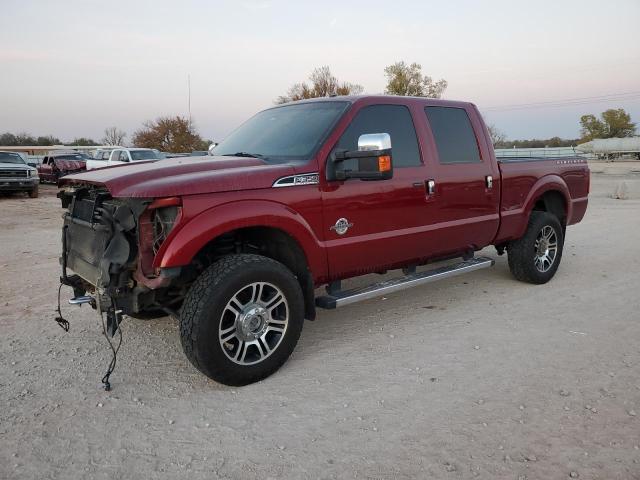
(182, 246)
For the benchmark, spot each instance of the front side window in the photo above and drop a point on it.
(281, 134)
(455, 140)
(392, 119)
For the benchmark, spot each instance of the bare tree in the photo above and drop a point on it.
(113, 136)
(407, 80)
(497, 136)
(323, 84)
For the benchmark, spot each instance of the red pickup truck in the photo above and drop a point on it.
(58, 164)
(300, 196)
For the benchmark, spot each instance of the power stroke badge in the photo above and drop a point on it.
(341, 226)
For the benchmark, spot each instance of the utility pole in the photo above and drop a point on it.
(189, 85)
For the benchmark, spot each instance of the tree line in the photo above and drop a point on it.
(613, 123)
(168, 134)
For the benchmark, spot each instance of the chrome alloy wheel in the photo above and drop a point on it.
(253, 323)
(546, 248)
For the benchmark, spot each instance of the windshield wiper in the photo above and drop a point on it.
(244, 154)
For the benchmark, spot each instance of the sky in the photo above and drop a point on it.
(72, 68)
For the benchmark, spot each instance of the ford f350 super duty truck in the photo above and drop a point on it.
(300, 196)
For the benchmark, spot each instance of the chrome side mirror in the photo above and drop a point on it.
(373, 159)
(211, 147)
(374, 141)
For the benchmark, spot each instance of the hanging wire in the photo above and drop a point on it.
(60, 320)
(114, 350)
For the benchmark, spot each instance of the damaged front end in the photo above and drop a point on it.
(109, 244)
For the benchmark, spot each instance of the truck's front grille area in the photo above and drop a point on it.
(13, 173)
(87, 205)
(83, 209)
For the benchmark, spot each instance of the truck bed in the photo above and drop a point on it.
(521, 179)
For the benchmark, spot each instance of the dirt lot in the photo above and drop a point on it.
(474, 377)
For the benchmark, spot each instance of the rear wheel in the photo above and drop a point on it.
(535, 257)
(241, 319)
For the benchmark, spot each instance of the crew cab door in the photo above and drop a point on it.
(373, 225)
(463, 178)
(118, 157)
(45, 170)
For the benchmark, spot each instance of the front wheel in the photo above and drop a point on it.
(241, 319)
(535, 257)
(33, 193)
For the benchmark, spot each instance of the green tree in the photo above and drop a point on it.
(323, 84)
(612, 123)
(407, 80)
(169, 134)
(8, 139)
(591, 127)
(618, 123)
(24, 138)
(48, 140)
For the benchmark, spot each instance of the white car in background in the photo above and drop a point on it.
(120, 156)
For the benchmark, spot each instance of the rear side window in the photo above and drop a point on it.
(392, 119)
(455, 139)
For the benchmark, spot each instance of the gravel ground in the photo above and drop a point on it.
(474, 377)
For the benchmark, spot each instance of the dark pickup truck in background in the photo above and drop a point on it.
(304, 195)
(16, 175)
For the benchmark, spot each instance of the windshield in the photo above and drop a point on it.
(8, 157)
(143, 155)
(292, 132)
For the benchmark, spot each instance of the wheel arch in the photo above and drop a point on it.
(550, 194)
(272, 230)
(554, 202)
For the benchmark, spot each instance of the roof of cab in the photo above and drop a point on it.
(381, 98)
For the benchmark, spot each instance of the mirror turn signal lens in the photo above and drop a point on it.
(384, 163)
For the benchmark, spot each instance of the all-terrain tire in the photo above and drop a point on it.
(33, 193)
(206, 309)
(526, 261)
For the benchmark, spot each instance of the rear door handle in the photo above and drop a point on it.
(431, 186)
(489, 181)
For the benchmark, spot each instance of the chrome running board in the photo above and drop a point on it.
(345, 297)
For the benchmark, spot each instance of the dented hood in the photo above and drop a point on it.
(182, 176)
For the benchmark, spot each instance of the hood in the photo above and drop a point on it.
(65, 164)
(15, 166)
(182, 176)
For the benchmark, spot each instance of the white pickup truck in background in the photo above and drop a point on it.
(120, 156)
